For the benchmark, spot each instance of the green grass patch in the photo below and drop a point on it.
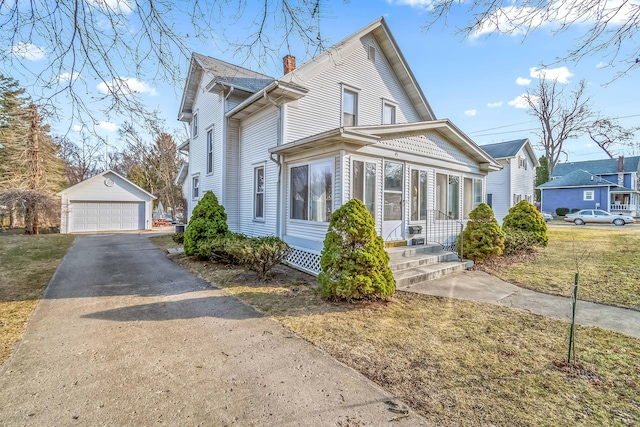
(609, 275)
(27, 263)
(456, 363)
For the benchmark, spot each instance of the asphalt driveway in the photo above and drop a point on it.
(124, 336)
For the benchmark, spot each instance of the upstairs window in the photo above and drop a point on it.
(194, 125)
(195, 185)
(349, 108)
(388, 114)
(210, 151)
(258, 203)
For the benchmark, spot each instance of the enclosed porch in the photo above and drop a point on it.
(625, 202)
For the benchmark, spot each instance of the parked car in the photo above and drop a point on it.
(546, 216)
(597, 216)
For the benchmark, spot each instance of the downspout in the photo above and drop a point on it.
(278, 162)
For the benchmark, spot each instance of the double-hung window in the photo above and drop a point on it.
(210, 151)
(195, 187)
(363, 179)
(388, 113)
(311, 188)
(588, 195)
(258, 199)
(448, 195)
(194, 125)
(349, 107)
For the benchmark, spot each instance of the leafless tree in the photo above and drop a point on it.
(129, 45)
(608, 28)
(81, 161)
(609, 134)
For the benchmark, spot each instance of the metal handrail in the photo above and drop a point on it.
(443, 229)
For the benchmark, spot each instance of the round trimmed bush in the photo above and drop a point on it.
(482, 238)
(208, 220)
(354, 262)
(562, 211)
(524, 216)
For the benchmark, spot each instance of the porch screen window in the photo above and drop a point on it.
(258, 208)
(472, 195)
(349, 108)
(363, 178)
(589, 195)
(210, 151)
(393, 173)
(418, 195)
(311, 190)
(448, 195)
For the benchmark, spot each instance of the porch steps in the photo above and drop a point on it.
(417, 264)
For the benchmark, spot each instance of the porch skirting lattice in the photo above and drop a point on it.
(304, 260)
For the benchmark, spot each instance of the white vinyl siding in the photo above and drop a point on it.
(232, 178)
(320, 109)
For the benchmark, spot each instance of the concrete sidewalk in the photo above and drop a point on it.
(472, 285)
(124, 336)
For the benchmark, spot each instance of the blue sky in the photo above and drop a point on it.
(473, 82)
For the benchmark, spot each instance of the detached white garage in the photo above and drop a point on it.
(105, 202)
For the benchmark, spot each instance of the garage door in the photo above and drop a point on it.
(106, 216)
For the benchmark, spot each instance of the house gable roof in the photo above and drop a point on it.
(103, 175)
(390, 49)
(578, 178)
(510, 149)
(598, 167)
(223, 75)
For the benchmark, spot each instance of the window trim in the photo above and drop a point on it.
(587, 199)
(255, 191)
(195, 179)
(348, 88)
(387, 103)
(309, 164)
(194, 125)
(209, 165)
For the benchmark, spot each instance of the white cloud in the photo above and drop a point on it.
(520, 101)
(107, 126)
(66, 77)
(28, 51)
(495, 104)
(601, 64)
(124, 7)
(523, 82)
(561, 74)
(470, 113)
(76, 128)
(126, 86)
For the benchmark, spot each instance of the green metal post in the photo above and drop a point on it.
(573, 316)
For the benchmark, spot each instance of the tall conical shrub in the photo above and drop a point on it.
(354, 262)
(482, 237)
(208, 220)
(524, 216)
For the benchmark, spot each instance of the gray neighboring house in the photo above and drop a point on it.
(516, 180)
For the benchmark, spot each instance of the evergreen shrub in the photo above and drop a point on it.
(562, 211)
(517, 241)
(260, 254)
(178, 238)
(354, 262)
(524, 216)
(482, 238)
(208, 220)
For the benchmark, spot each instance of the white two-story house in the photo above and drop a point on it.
(282, 154)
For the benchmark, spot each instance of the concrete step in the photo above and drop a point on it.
(410, 251)
(411, 276)
(398, 263)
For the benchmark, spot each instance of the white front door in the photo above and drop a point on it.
(392, 212)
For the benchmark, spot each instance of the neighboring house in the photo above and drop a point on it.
(610, 184)
(516, 180)
(283, 154)
(105, 202)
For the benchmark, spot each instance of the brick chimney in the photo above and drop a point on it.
(620, 164)
(289, 63)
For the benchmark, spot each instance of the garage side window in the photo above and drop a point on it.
(195, 187)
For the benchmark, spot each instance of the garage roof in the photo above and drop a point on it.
(103, 175)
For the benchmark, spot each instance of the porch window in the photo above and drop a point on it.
(349, 108)
(388, 113)
(472, 195)
(418, 195)
(393, 176)
(311, 190)
(516, 199)
(588, 195)
(210, 151)
(363, 178)
(195, 187)
(258, 200)
(448, 195)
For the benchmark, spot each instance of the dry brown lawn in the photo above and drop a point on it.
(27, 263)
(456, 363)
